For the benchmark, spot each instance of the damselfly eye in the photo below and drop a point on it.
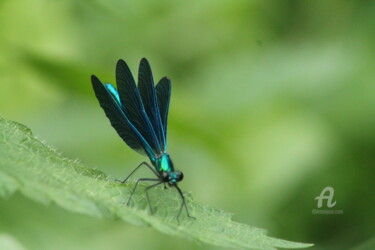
(180, 176)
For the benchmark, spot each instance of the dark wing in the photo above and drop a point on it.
(109, 101)
(163, 93)
(133, 106)
(148, 94)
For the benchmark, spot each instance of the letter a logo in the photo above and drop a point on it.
(328, 197)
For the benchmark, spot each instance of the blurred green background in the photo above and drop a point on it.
(271, 102)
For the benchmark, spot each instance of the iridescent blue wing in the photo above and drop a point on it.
(163, 93)
(133, 106)
(110, 102)
(148, 95)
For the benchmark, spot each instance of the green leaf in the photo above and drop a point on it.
(40, 173)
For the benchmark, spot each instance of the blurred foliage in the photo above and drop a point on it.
(271, 102)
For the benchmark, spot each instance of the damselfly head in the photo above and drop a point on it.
(172, 177)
